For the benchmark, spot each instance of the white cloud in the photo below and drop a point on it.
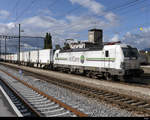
(60, 29)
(4, 14)
(97, 8)
(11, 25)
(111, 17)
(140, 39)
(83, 22)
(69, 27)
(6, 28)
(39, 22)
(115, 38)
(92, 5)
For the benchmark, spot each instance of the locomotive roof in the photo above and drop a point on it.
(94, 49)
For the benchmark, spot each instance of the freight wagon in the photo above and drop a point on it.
(46, 58)
(34, 56)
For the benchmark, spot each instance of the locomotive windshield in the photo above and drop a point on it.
(130, 52)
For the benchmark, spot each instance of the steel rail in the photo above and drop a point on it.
(22, 99)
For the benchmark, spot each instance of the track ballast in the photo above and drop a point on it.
(39, 103)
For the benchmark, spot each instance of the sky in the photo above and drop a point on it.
(120, 20)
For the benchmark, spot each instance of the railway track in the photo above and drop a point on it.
(23, 108)
(127, 102)
(41, 104)
(138, 83)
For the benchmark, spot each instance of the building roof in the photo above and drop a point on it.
(96, 29)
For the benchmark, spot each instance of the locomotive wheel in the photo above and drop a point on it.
(122, 79)
(115, 78)
(89, 74)
(108, 76)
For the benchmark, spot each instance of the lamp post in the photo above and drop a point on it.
(0, 49)
(19, 43)
(5, 49)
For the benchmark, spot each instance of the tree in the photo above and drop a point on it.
(45, 41)
(48, 41)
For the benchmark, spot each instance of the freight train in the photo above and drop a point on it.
(94, 58)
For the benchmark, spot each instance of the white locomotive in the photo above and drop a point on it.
(112, 61)
(93, 58)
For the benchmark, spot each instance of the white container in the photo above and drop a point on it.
(3, 57)
(34, 56)
(7, 57)
(14, 57)
(21, 56)
(45, 56)
(26, 56)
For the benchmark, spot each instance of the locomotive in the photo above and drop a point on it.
(94, 58)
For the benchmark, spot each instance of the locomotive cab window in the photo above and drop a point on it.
(106, 53)
(57, 55)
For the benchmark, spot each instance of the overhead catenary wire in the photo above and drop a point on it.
(25, 10)
(13, 9)
(137, 26)
(120, 7)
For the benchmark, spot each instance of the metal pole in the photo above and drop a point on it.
(0, 49)
(19, 46)
(5, 49)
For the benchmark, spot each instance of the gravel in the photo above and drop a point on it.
(89, 106)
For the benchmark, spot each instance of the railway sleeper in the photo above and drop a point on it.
(148, 109)
(52, 110)
(45, 105)
(14, 99)
(101, 92)
(94, 91)
(30, 96)
(58, 115)
(145, 106)
(26, 114)
(18, 104)
(139, 103)
(117, 98)
(21, 107)
(24, 110)
(112, 96)
(124, 99)
(27, 92)
(130, 101)
(35, 98)
(108, 94)
(40, 102)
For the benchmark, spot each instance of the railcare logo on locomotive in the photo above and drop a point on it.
(82, 59)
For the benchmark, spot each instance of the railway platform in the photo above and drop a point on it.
(6, 109)
(146, 69)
